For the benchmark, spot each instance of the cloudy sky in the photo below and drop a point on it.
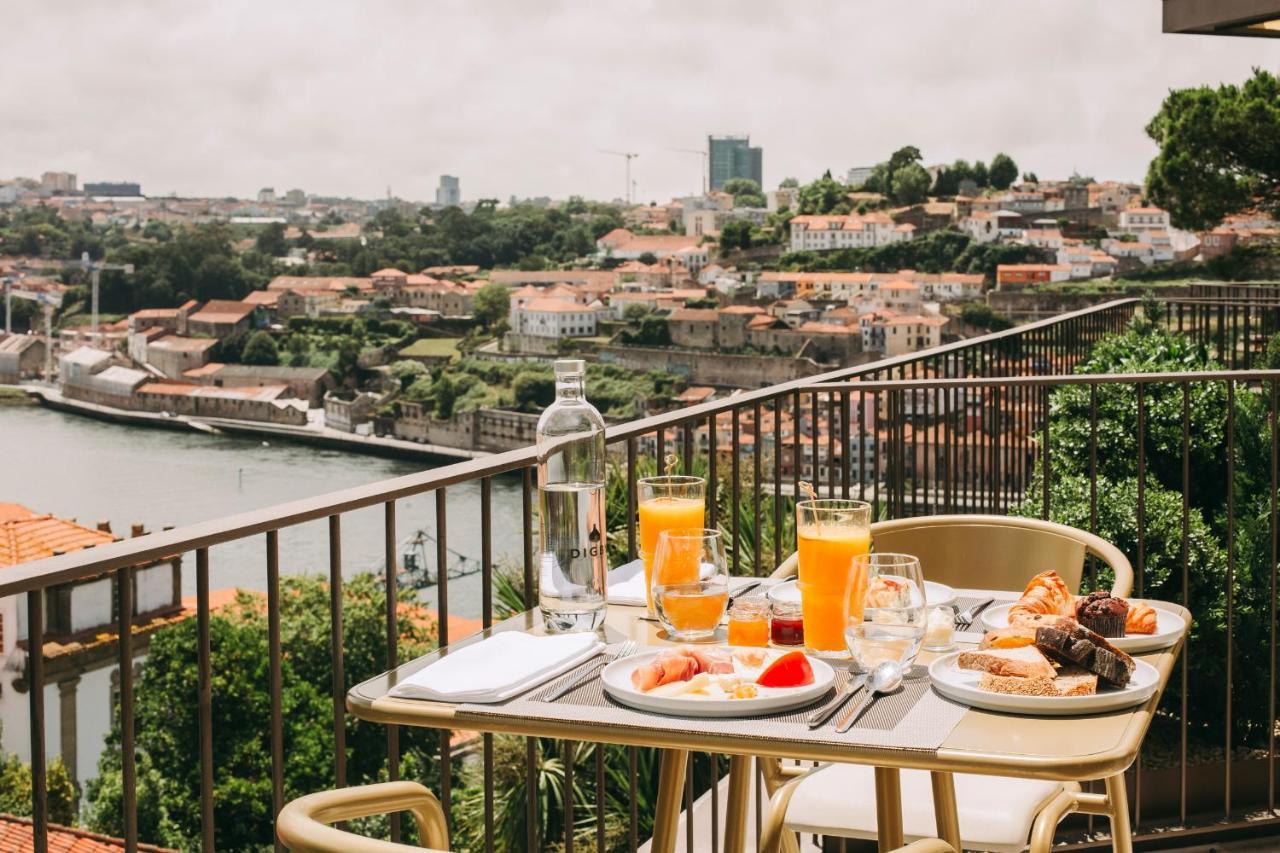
(520, 96)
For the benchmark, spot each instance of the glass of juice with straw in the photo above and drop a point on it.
(667, 502)
(830, 534)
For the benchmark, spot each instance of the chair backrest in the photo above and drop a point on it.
(303, 824)
(994, 551)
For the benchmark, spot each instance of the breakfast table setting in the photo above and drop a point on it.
(853, 652)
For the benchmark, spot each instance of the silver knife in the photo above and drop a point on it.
(743, 590)
(819, 717)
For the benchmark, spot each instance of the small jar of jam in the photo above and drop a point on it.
(786, 627)
(749, 623)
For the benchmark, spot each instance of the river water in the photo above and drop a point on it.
(88, 470)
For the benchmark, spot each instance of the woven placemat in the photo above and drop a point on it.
(914, 718)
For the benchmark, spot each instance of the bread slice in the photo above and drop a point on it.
(1071, 643)
(1072, 682)
(1023, 662)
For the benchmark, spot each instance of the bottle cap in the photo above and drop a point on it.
(570, 366)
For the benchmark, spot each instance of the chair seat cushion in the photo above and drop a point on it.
(996, 812)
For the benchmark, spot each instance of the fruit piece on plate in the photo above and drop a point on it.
(790, 670)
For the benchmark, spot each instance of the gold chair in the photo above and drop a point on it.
(303, 825)
(994, 813)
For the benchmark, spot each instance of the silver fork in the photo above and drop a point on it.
(965, 619)
(629, 648)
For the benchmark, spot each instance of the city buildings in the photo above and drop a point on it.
(449, 193)
(829, 233)
(112, 189)
(58, 182)
(732, 157)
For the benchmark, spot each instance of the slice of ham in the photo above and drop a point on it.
(680, 664)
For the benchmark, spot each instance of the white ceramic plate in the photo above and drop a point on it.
(1169, 627)
(617, 683)
(962, 685)
(935, 594)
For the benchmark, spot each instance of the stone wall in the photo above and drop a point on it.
(707, 368)
(494, 430)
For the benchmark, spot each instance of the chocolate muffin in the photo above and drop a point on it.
(1102, 614)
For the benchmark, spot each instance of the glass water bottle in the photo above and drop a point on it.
(571, 507)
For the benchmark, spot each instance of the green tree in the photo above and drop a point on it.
(167, 724)
(736, 234)
(745, 192)
(533, 392)
(1003, 171)
(911, 184)
(271, 240)
(445, 392)
(647, 258)
(15, 789)
(824, 196)
(260, 349)
(788, 183)
(491, 303)
(983, 316)
(1217, 151)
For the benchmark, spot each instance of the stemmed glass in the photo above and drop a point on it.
(888, 614)
(690, 582)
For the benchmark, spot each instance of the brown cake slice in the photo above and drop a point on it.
(1072, 681)
(1069, 642)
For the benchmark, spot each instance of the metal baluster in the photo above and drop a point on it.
(205, 699)
(442, 629)
(274, 675)
(486, 620)
(568, 796)
(530, 744)
(736, 492)
(335, 642)
(631, 498)
(1186, 597)
(755, 503)
(35, 698)
(128, 753)
(1231, 583)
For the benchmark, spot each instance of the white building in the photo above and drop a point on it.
(1136, 219)
(829, 233)
(555, 317)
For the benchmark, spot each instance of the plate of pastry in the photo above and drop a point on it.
(1130, 625)
(1063, 669)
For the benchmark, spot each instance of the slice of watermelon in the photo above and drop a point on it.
(790, 670)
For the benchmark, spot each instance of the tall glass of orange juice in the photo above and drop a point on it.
(830, 533)
(667, 503)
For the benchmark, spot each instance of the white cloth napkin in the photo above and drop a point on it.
(626, 584)
(498, 667)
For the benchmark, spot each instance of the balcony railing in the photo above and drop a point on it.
(960, 428)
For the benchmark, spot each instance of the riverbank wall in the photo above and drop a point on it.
(315, 436)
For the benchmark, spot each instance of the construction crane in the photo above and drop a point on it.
(703, 155)
(629, 157)
(49, 301)
(96, 267)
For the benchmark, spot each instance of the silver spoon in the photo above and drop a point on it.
(886, 677)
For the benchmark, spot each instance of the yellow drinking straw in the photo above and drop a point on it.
(672, 461)
(812, 494)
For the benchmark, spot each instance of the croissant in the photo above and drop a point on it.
(1141, 619)
(1046, 594)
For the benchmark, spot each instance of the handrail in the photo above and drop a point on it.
(83, 563)
(1057, 379)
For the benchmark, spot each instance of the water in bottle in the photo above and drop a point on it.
(571, 509)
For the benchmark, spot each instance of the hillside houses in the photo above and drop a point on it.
(829, 233)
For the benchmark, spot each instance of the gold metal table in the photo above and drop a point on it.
(1098, 746)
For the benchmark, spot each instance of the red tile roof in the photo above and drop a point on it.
(16, 835)
(26, 536)
(222, 311)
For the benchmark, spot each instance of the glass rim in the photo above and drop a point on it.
(886, 558)
(840, 504)
(672, 480)
(690, 533)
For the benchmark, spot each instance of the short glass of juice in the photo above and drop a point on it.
(749, 622)
(830, 534)
(666, 503)
(690, 582)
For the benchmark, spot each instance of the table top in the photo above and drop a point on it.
(1058, 748)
